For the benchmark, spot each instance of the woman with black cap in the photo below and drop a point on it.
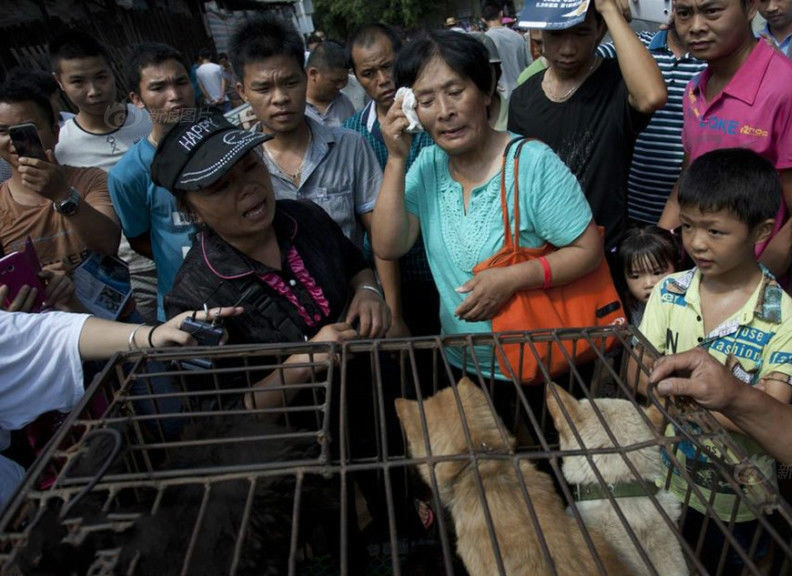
(285, 262)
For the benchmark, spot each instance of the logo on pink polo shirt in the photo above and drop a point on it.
(719, 124)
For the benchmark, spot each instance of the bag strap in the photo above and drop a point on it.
(509, 241)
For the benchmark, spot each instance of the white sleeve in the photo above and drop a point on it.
(40, 365)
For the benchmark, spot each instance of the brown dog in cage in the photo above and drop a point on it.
(519, 544)
(633, 497)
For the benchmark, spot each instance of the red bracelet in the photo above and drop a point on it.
(548, 274)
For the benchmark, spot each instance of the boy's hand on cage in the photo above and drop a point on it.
(369, 312)
(487, 292)
(696, 374)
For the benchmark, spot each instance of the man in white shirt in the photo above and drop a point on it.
(514, 53)
(42, 364)
(100, 134)
(212, 81)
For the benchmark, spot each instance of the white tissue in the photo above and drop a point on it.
(409, 103)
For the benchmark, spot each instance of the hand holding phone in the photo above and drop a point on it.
(19, 273)
(26, 141)
(39, 170)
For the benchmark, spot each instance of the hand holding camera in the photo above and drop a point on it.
(204, 333)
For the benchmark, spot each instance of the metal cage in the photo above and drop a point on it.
(162, 469)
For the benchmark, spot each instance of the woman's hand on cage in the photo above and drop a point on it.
(338, 332)
(487, 292)
(297, 369)
(371, 314)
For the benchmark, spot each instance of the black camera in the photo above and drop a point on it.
(204, 333)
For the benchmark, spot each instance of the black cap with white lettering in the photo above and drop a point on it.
(194, 155)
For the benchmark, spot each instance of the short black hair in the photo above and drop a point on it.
(462, 53)
(490, 11)
(645, 249)
(75, 44)
(734, 179)
(262, 37)
(23, 92)
(649, 245)
(43, 81)
(366, 35)
(205, 53)
(149, 54)
(328, 55)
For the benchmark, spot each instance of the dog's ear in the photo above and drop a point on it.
(466, 384)
(554, 406)
(410, 419)
(655, 416)
(407, 411)
(472, 397)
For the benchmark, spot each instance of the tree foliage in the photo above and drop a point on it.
(338, 18)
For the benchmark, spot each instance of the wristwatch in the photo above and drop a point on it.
(69, 205)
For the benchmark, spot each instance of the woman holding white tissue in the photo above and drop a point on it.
(452, 192)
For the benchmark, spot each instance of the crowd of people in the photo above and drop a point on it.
(338, 216)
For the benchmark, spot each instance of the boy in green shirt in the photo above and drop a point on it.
(730, 306)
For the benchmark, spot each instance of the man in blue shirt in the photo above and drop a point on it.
(778, 29)
(371, 52)
(149, 215)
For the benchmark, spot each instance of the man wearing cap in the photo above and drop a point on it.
(589, 110)
(160, 83)
(285, 262)
(451, 23)
(512, 48)
(371, 52)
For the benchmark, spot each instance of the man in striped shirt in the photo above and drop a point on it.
(657, 159)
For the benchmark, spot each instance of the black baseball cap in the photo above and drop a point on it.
(195, 154)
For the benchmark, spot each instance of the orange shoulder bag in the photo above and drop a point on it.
(588, 301)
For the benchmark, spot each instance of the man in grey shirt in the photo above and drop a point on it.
(334, 167)
(327, 75)
(512, 47)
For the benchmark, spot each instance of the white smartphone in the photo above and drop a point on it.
(651, 10)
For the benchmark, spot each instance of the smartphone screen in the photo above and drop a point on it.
(26, 141)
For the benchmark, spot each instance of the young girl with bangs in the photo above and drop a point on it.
(646, 255)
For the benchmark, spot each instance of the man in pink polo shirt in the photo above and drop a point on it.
(743, 99)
